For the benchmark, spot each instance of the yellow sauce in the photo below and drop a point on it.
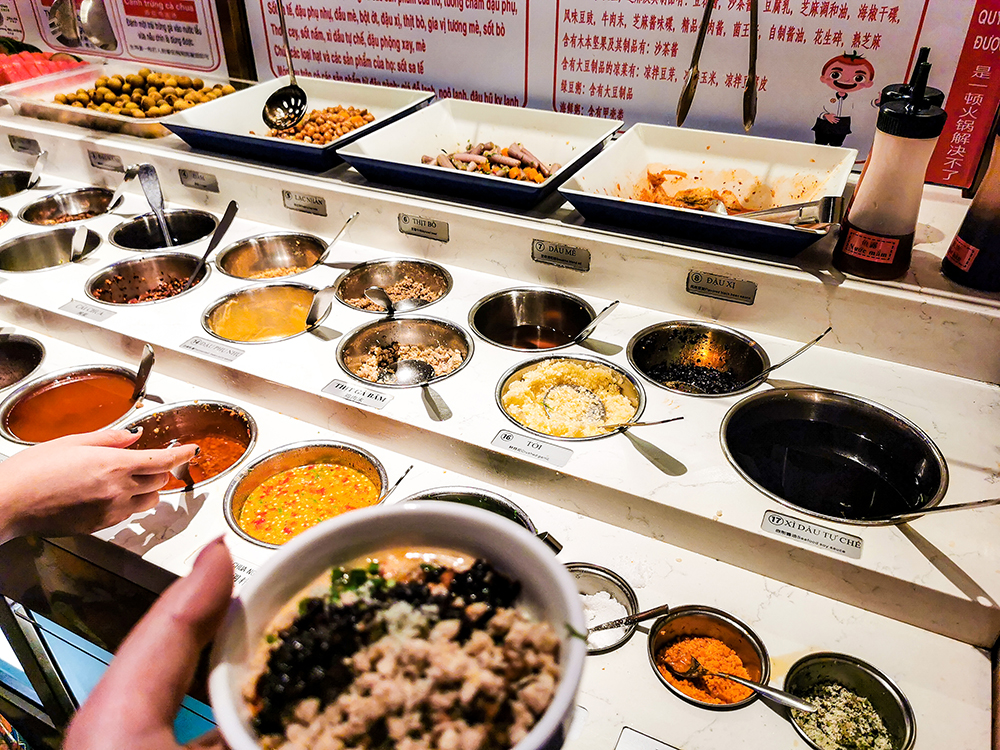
(276, 314)
(297, 499)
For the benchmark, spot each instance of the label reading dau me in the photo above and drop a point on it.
(565, 256)
(721, 287)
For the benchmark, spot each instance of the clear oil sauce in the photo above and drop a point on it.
(531, 337)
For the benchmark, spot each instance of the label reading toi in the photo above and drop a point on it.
(212, 348)
(418, 226)
(357, 394)
(109, 162)
(523, 445)
(199, 180)
(565, 256)
(86, 311)
(721, 287)
(24, 145)
(813, 534)
(307, 204)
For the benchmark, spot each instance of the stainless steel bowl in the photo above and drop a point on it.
(282, 251)
(386, 272)
(862, 678)
(52, 208)
(491, 501)
(264, 305)
(288, 457)
(20, 356)
(126, 281)
(74, 373)
(13, 181)
(630, 387)
(37, 252)
(193, 421)
(657, 351)
(708, 622)
(528, 319)
(143, 232)
(833, 455)
(593, 579)
(355, 348)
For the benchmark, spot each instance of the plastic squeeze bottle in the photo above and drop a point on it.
(876, 237)
(973, 259)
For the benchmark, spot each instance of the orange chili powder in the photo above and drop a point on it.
(297, 499)
(712, 654)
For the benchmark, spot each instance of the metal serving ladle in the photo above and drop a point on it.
(154, 195)
(119, 195)
(622, 622)
(286, 107)
(912, 515)
(696, 671)
(217, 235)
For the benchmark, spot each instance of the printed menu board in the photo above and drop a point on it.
(179, 33)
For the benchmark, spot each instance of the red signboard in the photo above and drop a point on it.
(972, 101)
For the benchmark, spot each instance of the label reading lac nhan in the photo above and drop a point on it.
(813, 534)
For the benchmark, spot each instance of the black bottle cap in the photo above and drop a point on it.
(896, 91)
(913, 117)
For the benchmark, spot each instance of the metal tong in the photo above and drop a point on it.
(825, 210)
(750, 92)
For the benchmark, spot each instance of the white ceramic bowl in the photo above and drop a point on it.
(547, 589)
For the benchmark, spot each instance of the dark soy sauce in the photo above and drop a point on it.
(531, 337)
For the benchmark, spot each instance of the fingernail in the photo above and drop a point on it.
(211, 545)
(197, 450)
(135, 430)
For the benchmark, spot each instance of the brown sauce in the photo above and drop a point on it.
(218, 453)
(77, 403)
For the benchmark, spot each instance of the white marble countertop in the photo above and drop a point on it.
(946, 681)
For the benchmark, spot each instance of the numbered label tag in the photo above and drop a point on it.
(199, 180)
(304, 203)
(107, 162)
(564, 256)
(86, 311)
(418, 226)
(212, 348)
(813, 534)
(357, 394)
(522, 445)
(24, 145)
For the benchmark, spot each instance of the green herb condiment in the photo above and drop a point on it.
(843, 720)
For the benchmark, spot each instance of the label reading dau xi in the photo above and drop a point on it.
(721, 287)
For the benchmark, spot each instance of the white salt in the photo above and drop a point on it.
(600, 608)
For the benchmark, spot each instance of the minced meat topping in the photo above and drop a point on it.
(443, 659)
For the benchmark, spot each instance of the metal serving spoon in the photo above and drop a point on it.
(695, 670)
(154, 195)
(379, 296)
(321, 304)
(750, 92)
(142, 374)
(329, 247)
(592, 325)
(217, 235)
(622, 622)
(37, 167)
(903, 517)
(119, 195)
(78, 245)
(286, 106)
(625, 425)
(763, 373)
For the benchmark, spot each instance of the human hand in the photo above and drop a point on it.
(81, 483)
(134, 704)
(832, 118)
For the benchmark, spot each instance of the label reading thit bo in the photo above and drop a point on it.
(199, 180)
(564, 256)
(107, 162)
(304, 203)
(24, 145)
(523, 445)
(813, 534)
(418, 226)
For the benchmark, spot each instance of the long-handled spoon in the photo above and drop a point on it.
(142, 374)
(695, 671)
(903, 517)
(763, 373)
(379, 296)
(36, 169)
(331, 243)
(320, 306)
(396, 483)
(622, 622)
(220, 231)
(154, 194)
(181, 473)
(687, 94)
(78, 245)
(286, 106)
(626, 425)
(418, 372)
(119, 195)
(585, 333)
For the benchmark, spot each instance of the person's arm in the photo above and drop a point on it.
(81, 483)
(134, 704)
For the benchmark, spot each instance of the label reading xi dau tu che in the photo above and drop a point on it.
(813, 534)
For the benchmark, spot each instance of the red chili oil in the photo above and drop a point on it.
(74, 404)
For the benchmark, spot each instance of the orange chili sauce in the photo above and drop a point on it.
(79, 403)
(218, 453)
(297, 499)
